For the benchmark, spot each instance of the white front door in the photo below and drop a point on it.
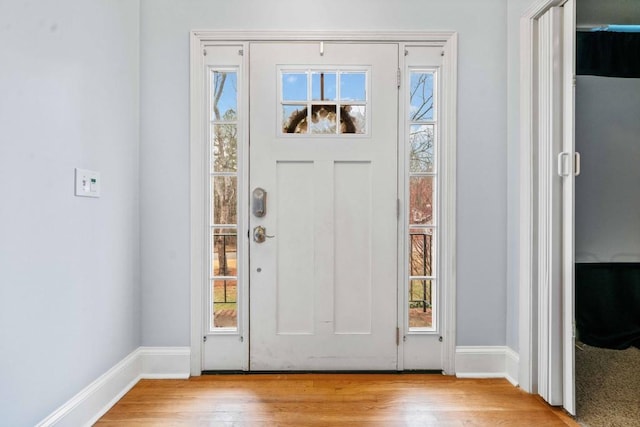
(323, 146)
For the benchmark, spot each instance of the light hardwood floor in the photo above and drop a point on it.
(330, 400)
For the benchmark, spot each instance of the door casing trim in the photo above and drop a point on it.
(448, 40)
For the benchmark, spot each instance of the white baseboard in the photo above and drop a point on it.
(165, 362)
(512, 368)
(86, 407)
(487, 362)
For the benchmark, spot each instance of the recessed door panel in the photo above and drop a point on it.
(352, 250)
(295, 249)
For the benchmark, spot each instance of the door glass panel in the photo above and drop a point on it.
(225, 95)
(420, 304)
(294, 86)
(421, 140)
(225, 253)
(224, 147)
(225, 303)
(421, 252)
(353, 86)
(353, 119)
(224, 199)
(421, 96)
(323, 86)
(326, 111)
(294, 119)
(323, 119)
(421, 199)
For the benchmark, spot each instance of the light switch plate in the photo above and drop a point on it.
(87, 183)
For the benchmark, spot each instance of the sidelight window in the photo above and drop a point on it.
(422, 204)
(223, 166)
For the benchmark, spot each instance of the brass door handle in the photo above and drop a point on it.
(260, 234)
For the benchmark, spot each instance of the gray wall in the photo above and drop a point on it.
(482, 142)
(598, 12)
(516, 8)
(607, 191)
(69, 266)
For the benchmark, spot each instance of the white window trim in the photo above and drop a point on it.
(199, 270)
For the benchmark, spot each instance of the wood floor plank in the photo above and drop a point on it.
(331, 399)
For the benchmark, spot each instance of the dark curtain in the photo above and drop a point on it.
(608, 304)
(608, 54)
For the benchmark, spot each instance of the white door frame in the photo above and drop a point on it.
(533, 330)
(198, 270)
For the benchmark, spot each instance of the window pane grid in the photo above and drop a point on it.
(323, 102)
(422, 295)
(422, 210)
(422, 105)
(223, 253)
(224, 95)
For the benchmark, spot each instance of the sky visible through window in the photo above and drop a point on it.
(421, 93)
(229, 97)
(352, 86)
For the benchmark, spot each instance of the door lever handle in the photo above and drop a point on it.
(260, 234)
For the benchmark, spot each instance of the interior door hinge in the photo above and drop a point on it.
(398, 208)
(398, 78)
(398, 336)
(204, 52)
(204, 338)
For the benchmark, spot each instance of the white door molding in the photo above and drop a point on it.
(198, 268)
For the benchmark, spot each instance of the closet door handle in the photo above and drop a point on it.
(576, 164)
(561, 163)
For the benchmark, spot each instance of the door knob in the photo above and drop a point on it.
(260, 234)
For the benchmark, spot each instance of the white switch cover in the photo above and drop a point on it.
(87, 183)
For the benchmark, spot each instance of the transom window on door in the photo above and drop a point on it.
(422, 218)
(324, 101)
(224, 200)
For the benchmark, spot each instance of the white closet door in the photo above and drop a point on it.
(568, 208)
(550, 162)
